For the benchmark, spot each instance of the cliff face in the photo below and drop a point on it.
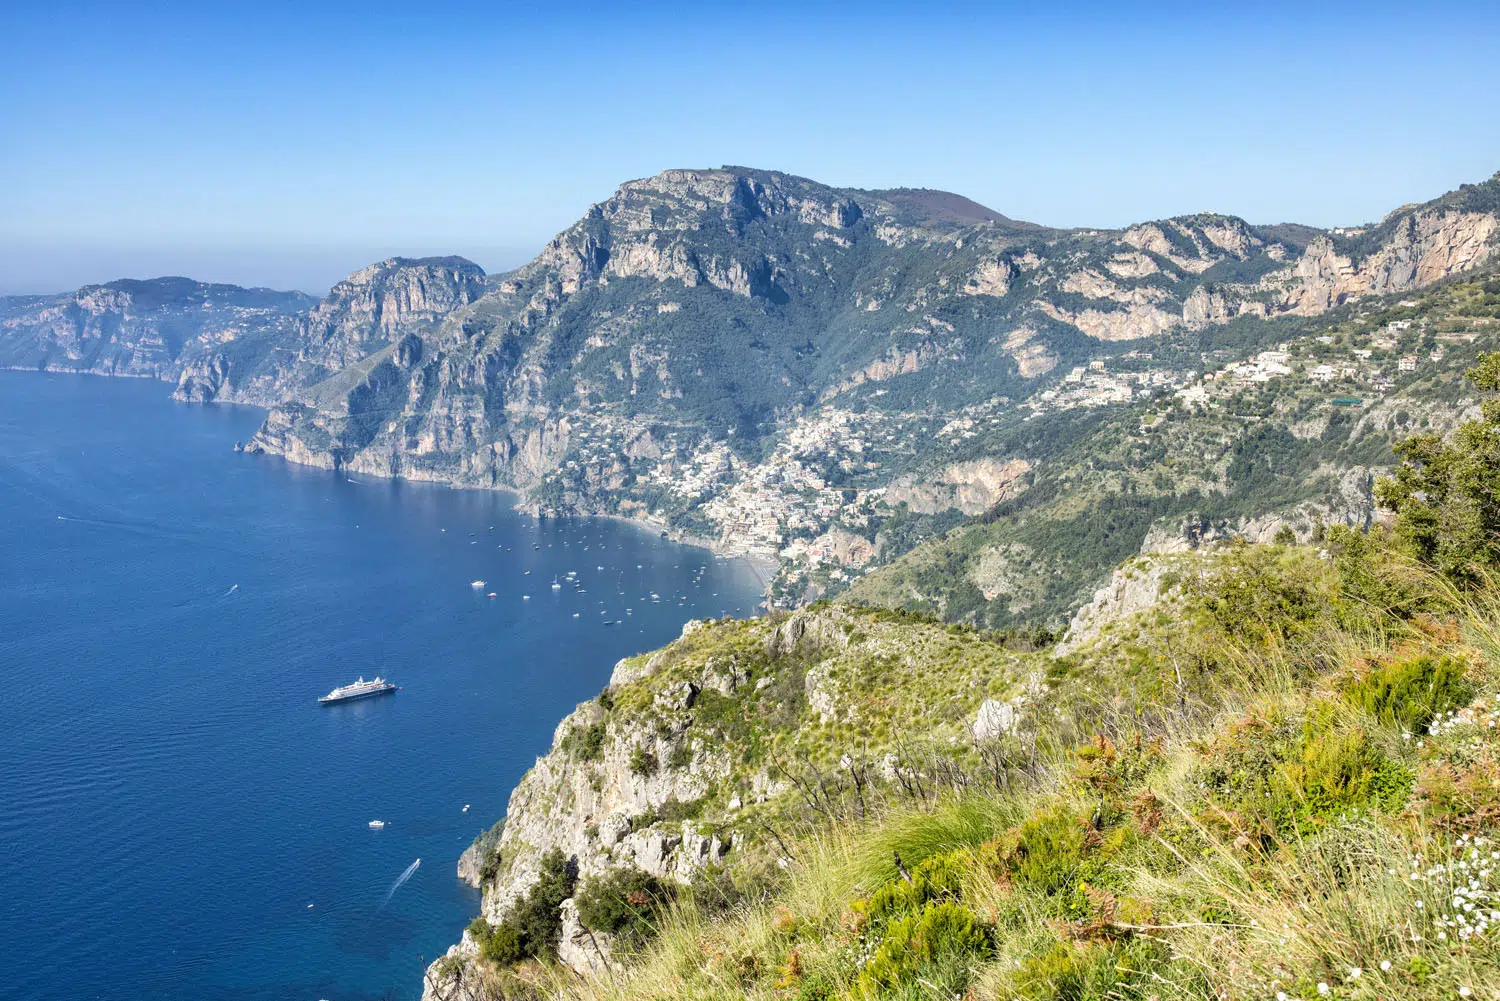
(376, 305)
(157, 329)
(222, 342)
(699, 348)
(693, 746)
(717, 302)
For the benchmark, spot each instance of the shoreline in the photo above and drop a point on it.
(764, 564)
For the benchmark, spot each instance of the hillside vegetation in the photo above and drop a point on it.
(1254, 458)
(1279, 780)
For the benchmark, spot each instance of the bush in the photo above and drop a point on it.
(1256, 591)
(537, 920)
(624, 902)
(1269, 778)
(1372, 579)
(944, 936)
(504, 946)
(488, 847)
(643, 762)
(533, 929)
(1088, 970)
(1446, 493)
(935, 879)
(714, 892)
(586, 743)
(1410, 693)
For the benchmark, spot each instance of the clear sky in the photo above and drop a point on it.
(288, 143)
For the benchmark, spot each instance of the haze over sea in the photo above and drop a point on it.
(173, 798)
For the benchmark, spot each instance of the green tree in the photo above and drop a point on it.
(1446, 494)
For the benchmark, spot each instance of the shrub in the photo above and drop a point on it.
(713, 890)
(675, 811)
(944, 935)
(1445, 492)
(1412, 692)
(1088, 970)
(1372, 578)
(1257, 590)
(1268, 777)
(935, 879)
(643, 762)
(532, 931)
(586, 743)
(624, 902)
(818, 987)
(504, 945)
(487, 844)
(1044, 853)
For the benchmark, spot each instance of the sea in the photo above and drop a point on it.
(180, 819)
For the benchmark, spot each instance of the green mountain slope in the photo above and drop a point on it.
(1252, 449)
(1253, 770)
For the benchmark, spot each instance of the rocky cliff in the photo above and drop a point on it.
(156, 329)
(698, 749)
(748, 357)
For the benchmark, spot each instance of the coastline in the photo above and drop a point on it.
(765, 563)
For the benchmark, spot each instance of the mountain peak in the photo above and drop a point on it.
(933, 206)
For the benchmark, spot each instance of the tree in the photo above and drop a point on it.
(1446, 495)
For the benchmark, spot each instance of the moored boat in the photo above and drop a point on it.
(360, 689)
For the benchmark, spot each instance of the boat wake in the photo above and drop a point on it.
(400, 881)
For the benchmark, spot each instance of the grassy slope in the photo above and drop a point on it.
(1266, 783)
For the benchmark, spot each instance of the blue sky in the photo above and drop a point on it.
(289, 143)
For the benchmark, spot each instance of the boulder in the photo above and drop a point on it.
(995, 720)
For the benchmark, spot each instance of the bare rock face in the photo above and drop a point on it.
(161, 328)
(1425, 246)
(583, 950)
(376, 304)
(995, 720)
(972, 487)
(203, 380)
(1131, 588)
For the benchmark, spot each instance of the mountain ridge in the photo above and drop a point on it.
(749, 357)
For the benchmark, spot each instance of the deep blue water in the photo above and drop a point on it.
(172, 797)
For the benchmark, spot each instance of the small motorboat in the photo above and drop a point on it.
(477, 585)
(377, 825)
